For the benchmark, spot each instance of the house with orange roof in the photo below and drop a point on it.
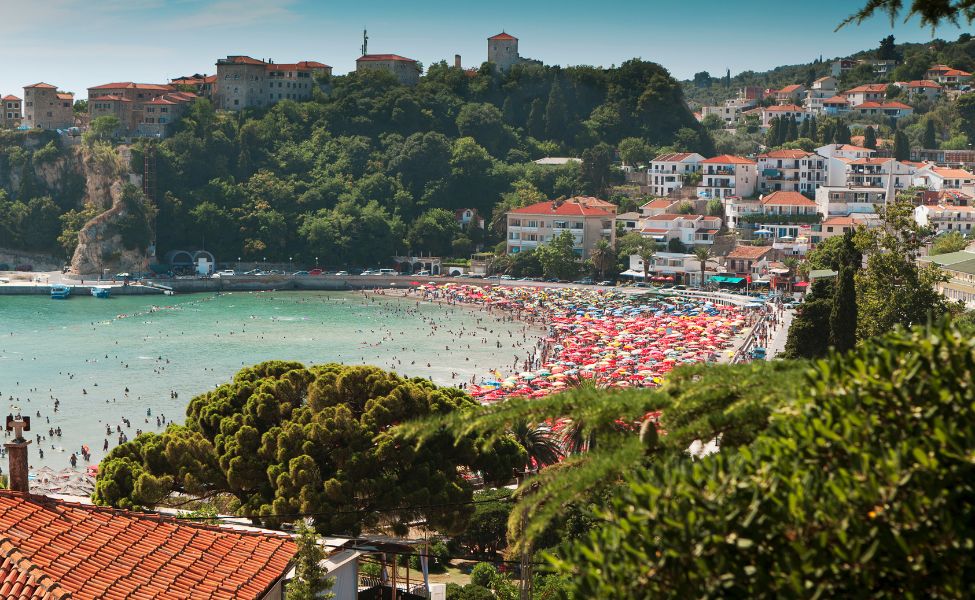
(893, 110)
(11, 112)
(839, 225)
(795, 170)
(945, 218)
(657, 206)
(690, 230)
(750, 261)
(947, 76)
(921, 88)
(667, 171)
(532, 226)
(835, 105)
(245, 82)
(47, 108)
(880, 173)
(790, 94)
(871, 92)
(822, 89)
(727, 176)
(405, 70)
(781, 111)
(502, 51)
(945, 178)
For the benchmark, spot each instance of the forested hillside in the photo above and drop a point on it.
(371, 167)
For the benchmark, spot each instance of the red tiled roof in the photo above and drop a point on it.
(593, 202)
(564, 209)
(870, 87)
(658, 203)
(11, 97)
(790, 88)
(42, 85)
(728, 159)
(128, 85)
(947, 173)
(785, 108)
(210, 79)
(241, 60)
(381, 57)
(784, 198)
(922, 83)
(870, 161)
(749, 252)
(56, 549)
(68, 96)
(502, 36)
(305, 65)
(852, 148)
(673, 157)
(836, 100)
(840, 221)
(881, 105)
(786, 154)
(940, 68)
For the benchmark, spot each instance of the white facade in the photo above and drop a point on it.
(875, 92)
(945, 218)
(730, 112)
(943, 178)
(691, 230)
(726, 176)
(822, 89)
(791, 170)
(885, 173)
(686, 267)
(667, 171)
(845, 201)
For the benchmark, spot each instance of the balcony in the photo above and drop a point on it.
(720, 171)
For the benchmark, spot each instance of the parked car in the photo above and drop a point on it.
(342, 274)
(254, 272)
(300, 274)
(368, 272)
(388, 272)
(423, 273)
(607, 282)
(584, 281)
(315, 272)
(474, 276)
(225, 273)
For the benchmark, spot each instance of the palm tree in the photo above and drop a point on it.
(539, 441)
(602, 257)
(702, 254)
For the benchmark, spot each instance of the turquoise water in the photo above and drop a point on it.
(85, 352)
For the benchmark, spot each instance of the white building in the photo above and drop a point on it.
(726, 176)
(923, 88)
(873, 92)
(790, 94)
(944, 178)
(943, 218)
(845, 201)
(791, 170)
(671, 267)
(667, 171)
(691, 230)
(782, 111)
(731, 111)
(894, 110)
(822, 89)
(879, 173)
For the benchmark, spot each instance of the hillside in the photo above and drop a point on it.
(712, 88)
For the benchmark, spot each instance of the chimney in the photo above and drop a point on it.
(457, 61)
(17, 453)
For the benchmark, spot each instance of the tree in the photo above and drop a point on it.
(953, 241)
(841, 133)
(774, 132)
(930, 134)
(809, 332)
(603, 257)
(556, 113)
(284, 439)
(311, 580)
(888, 49)
(870, 138)
(485, 532)
(843, 315)
(793, 511)
(965, 107)
(536, 119)
(702, 254)
(596, 163)
(644, 247)
(433, 232)
(483, 123)
(558, 256)
(635, 151)
(102, 129)
(715, 208)
(931, 12)
(902, 146)
(702, 79)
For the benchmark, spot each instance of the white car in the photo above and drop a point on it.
(225, 273)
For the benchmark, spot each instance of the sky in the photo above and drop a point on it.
(76, 44)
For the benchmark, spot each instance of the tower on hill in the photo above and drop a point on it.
(503, 51)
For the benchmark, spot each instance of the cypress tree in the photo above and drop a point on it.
(843, 314)
(902, 146)
(841, 135)
(536, 119)
(870, 138)
(556, 113)
(829, 128)
(793, 133)
(783, 131)
(804, 129)
(930, 135)
(508, 113)
(772, 135)
(814, 129)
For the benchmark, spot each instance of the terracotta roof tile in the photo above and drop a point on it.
(563, 209)
(11, 97)
(503, 36)
(54, 549)
(727, 159)
(382, 57)
(784, 198)
(749, 252)
(882, 105)
(792, 154)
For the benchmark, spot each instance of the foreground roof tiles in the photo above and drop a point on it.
(55, 549)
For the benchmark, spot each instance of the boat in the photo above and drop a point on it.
(60, 291)
(101, 292)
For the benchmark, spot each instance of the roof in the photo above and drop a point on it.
(503, 36)
(728, 159)
(658, 203)
(383, 57)
(790, 88)
(11, 97)
(785, 108)
(749, 252)
(870, 87)
(305, 65)
(111, 98)
(673, 157)
(840, 221)
(882, 105)
(922, 83)
(56, 549)
(630, 216)
(41, 85)
(852, 148)
(672, 217)
(240, 60)
(786, 154)
(128, 85)
(557, 160)
(946, 173)
(836, 100)
(870, 161)
(949, 258)
(562, 209)
(67, 96)
(593, 202)
(822, 79)
(784, 198)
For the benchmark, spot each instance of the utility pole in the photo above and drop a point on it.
(365, 42)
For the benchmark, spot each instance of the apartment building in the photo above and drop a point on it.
(873, 92)
(245, 82)
(765, 114)
(893, 110)
(11, 112)
(879, 173)
(945, 178)
(790, 94)
(849, 200)
(944, 218)
(531, 226)
(822, 89)
(731, 111)
(669, 267)
(46, 108)
(667, 171)
(690, 230)
(726, 176)
(791, 170)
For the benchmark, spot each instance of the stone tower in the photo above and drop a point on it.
(503, 51)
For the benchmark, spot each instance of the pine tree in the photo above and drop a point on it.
(311, 579)
(870, 138)
(556, 113)
(843, 315)
(930, 135)
(841, 135)
(902, 146)
(793, 132)
(772, 135)
(536, 119)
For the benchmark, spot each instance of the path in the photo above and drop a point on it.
(779, 335)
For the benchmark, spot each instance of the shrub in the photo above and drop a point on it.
(483, 573)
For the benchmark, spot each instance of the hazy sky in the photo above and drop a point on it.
(75, 44)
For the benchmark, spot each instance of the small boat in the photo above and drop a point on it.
(101, 292)
(60, 291)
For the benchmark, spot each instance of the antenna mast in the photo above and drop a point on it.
(365, 43)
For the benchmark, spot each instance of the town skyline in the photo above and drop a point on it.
(157, 40)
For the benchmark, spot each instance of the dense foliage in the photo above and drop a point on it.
(371, 168)
(861, 485)
(286, 440)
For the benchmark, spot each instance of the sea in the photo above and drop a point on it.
(127, 360)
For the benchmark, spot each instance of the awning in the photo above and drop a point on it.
(723, 279)
(632, 273)
(801, 284)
